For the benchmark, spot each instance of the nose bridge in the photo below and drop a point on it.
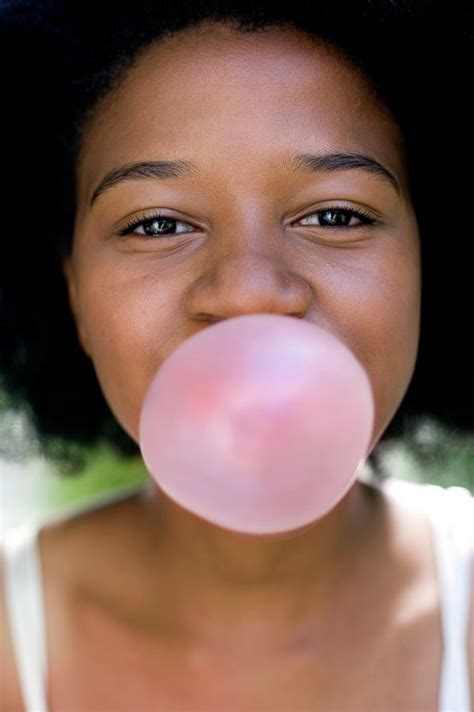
(249, 269)
(246, 270)
(248, 223)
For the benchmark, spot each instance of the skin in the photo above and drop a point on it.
(240, 106)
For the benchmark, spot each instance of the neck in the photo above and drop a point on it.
(241, 583)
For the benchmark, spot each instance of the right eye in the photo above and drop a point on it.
(155, 225)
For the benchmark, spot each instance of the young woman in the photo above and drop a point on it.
(180, 165)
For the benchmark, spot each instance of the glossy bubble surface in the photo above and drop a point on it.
(258, 424)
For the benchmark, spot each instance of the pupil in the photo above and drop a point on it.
(160, 222)
(338, 217)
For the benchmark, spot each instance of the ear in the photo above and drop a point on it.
(73, 303)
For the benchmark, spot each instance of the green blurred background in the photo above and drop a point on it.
(32, 487)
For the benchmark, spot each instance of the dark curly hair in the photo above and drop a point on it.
(61, 58)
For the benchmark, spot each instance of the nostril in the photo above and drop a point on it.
(299, 315)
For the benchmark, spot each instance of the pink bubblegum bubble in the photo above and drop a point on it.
(258, 423)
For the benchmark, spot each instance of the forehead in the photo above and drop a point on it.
(215, 95)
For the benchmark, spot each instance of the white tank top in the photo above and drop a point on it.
(451, 511)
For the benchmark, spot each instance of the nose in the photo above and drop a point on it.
(242, 284)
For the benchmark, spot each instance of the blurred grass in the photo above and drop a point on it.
(104, 472)
(34, 489)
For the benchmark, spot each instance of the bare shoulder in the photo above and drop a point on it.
(471, 629)
(67, 547)
(402, 513)
(11, 699)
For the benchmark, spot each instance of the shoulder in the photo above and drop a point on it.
(455, 503)
(65, 547)
(471, 628)
(11, 699)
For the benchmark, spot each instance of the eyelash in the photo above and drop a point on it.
(364, 216)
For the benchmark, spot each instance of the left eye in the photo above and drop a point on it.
(339, 217)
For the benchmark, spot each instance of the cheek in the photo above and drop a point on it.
(127, 326)
(382, 325)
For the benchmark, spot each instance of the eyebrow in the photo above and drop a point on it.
(307, 162)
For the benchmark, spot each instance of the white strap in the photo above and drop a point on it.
(25, 613)
(453, 528)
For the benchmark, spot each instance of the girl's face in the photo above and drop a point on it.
(246, 226)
